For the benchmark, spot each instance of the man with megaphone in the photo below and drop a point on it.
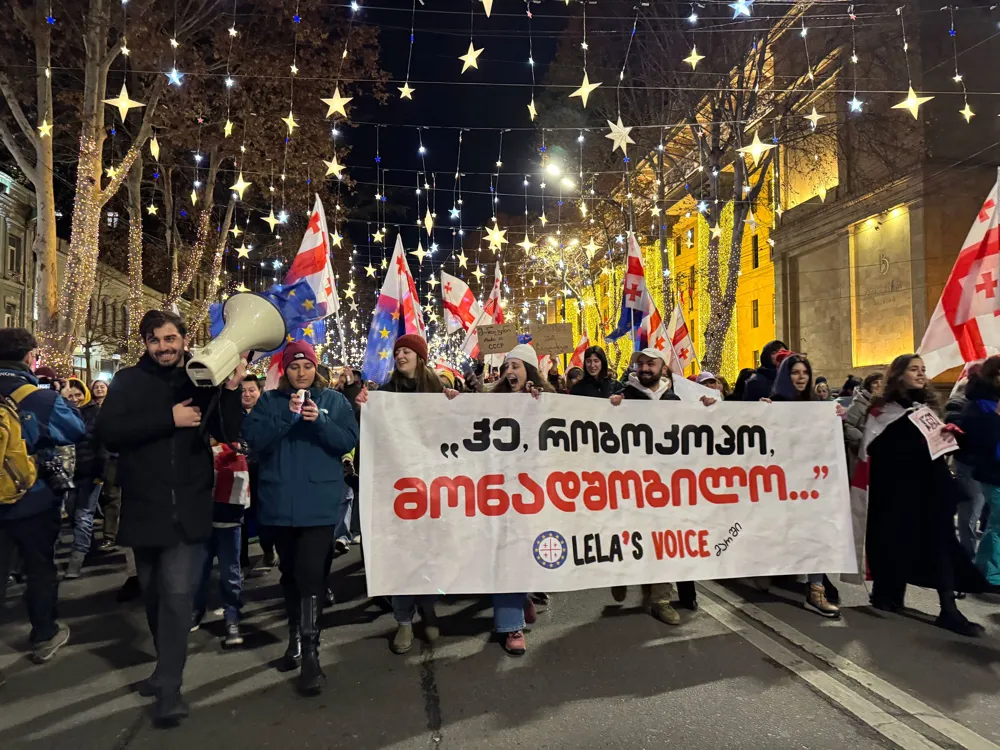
(159, 422)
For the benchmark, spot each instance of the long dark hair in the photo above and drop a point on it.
(427, 379)
(596, 351)
(783, 387)
(533, 376)
(741, 383)
(895, 388)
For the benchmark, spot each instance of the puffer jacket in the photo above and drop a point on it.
(854, 425)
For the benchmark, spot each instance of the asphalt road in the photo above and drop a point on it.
(748, 670)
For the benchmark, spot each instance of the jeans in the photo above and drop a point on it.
(343, 528)
(34, 538)
(224, 544)
(508, 612)
(405, 607)
(87, 494)
(969, 508)
(169, 578)
(302, 552)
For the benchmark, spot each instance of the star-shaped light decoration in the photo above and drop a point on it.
(478, 273)
(45, 130)
(470, 58)
(433, 282)
(420, 253)
(227, 129)
(585, 88)
(385, 263)
(378, 236)
(716, 231)
(912, 102)
(655, 211)
(349, 293)
(497, 237)
(532, 112)
(694, 58)
(334, 168)
(741, 8)
(429, 297)
(272, 220)
(591, 248)
(751, 221)
(546, 299)
(370, 270)
(151, 209)
(236, 231)
(194, 197)
(290, 122)
(619, 136)
(462, 259)
(814, 117)
(487, 6)
(242, 288)
(455, 213)
(756, 149)
(294, 68)
(336, 239)
(336, 103)
(405, 92)
(243, 251)
(123, 102)
(125, 49)
(967, 112)
(428, 221)
(526, 244)
(154, 148)
(543, 219)
(240, 185)
(354, 308)
(855, 104)
(174, 77)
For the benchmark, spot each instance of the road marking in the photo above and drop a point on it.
(888, 726)
(958, 733)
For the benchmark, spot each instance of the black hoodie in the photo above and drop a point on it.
(761, 384)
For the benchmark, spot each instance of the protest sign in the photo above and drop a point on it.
(929, 424)
(504, 493)
(552, 338)
(497, 339)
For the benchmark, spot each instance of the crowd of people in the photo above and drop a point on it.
(184, 476)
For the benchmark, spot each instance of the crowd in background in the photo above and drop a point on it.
(185, 477)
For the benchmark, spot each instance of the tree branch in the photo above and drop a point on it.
(15, 108)
(110, 57)
(22, 18)
(144, 130)
(11, 145)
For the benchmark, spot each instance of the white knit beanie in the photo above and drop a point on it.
(525, 353)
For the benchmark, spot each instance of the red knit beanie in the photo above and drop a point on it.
(413, 342)
(297, 350)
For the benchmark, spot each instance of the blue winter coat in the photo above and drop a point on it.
(301, 480)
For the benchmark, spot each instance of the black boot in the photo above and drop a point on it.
(292, 655)
(953, 620)
(311, 677)
(170, 708)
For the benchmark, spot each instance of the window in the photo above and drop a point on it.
(756, 358)
(10, 314)
(755, 314)
(114, 319)
(689, 237)
(677, 245)
(755, 246)
(111, 217)
(15, 249)
(124, 314)
(104, 316)
(691, 289)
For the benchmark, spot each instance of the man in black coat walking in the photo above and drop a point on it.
(153, 417)
(762, 382)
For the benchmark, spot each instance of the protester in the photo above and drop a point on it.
(250, 391)
(741, 383)
(846, 394)
(597, 381)
(709, 380)
(30, 525)
(155, 418)
(652, 380)
(299, 433)
(412, 375)
(761, 383)
(822, 389)
(88, 476)
(573, 376)
(980, 421)
(110, 499)
(857, 416)
(911, 504)
(793, 383)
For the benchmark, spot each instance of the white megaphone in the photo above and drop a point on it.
(252, 322)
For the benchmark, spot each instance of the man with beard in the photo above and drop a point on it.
(652, 381)
(153, 417)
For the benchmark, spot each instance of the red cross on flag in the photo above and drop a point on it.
(633, 293)
(965, 325)
(680, 339)
(460, 306)
(491, 314)
(577, 359)
(312, 262)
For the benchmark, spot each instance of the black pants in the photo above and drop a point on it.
(169, 578)
(34, 538)
(302, 552)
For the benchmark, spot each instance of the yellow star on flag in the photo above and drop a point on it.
(384, 332)
(123, 102)
(912, 102)
(526, 244)
(243, 251)
(471, 57)
(45, 130)
(585, 88)
(290, 122)
(240, 185)
(383, 354)
(497, 237)
(756, 149)
(308, 305)
(420, 253)
(405, 92)
(370, 270)
(289, 339)
(227, 129)
(336, 103)
(378, 236)
(694, 58)
(334, 167)
(272, 220)
(307, 330)
(462, 260)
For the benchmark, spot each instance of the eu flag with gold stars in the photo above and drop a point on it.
(297, 305)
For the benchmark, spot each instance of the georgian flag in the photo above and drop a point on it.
(680, 340)
(633, 292)
(461, 309)
(491, 314)
(312, 263)
(577, 359)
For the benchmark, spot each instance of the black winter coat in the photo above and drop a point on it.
(90, 457)
(981, 424)
(761, 383)
(911, 509)
(594, 388)
(166, 473)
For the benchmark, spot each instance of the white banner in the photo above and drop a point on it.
(493, 493)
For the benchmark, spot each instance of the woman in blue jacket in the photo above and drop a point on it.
(298, 434)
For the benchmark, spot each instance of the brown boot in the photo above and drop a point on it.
(816, 602)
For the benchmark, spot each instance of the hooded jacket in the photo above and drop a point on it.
(90, 457)
(981, 425)
(636, 390)
(166, 473)
(760, 385)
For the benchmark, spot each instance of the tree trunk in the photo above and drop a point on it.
(201, 311)
(46, 244)
(185, 279)
(134, 343)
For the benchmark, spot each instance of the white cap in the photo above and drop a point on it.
(653, 353)
(525, 353)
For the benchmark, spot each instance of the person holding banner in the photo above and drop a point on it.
(597, 381)
(761, 382)
(912, 496)
(652, 380)
(299, 433)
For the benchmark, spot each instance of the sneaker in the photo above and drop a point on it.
(170, 708)
(233, 636)
(108, 545)
(342, 546)
(75, 565)
(356, 539)
(540, 598)
(665, 613)
(130, 590)
(514, 643)
(270, 560)
(195, 622)
(816, 602)
(219, 612)
(530, 615)
(45, 650)
(956, 622)
(619, 593)
(403, 640)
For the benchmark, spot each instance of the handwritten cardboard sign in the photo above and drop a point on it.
(553, 338)
(497, 339)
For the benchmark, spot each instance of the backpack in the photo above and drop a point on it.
(18, 471)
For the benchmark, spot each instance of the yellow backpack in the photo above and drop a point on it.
(18, 472)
